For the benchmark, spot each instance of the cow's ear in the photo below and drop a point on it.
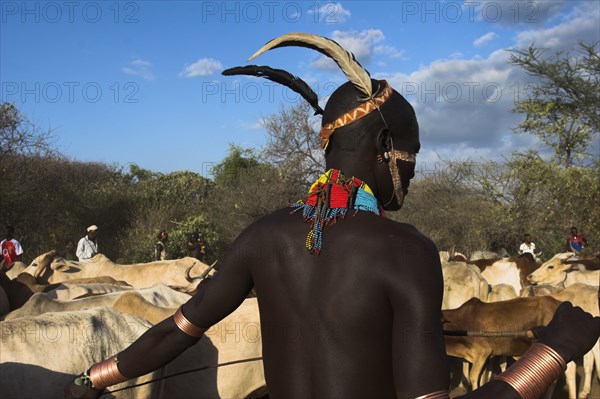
(60, 264)
(575, 267)
(565, 256)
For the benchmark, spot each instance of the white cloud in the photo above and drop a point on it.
(202, 67)
(516, 13)
(485, 39)
(464, 105)
(330, 13)
(139, 68)
(565, 35)
(389, 51)
(361, 44)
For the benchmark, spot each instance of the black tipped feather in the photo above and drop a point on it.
(282, 77)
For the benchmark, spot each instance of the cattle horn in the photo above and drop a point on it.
(201, 276)
(355, 72)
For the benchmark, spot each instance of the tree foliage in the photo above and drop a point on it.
(562, 110)
(246, 188)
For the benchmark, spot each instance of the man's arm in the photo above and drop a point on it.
(165, 341)
(415, 288)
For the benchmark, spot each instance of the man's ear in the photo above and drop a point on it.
(384, 141)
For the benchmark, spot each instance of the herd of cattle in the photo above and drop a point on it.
(59, 317)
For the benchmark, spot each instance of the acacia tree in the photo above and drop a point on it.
(562, 110)
(18, 135)
(293, 144)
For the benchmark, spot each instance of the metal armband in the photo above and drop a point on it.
(187, 326)
(531, 375)
(106, 373)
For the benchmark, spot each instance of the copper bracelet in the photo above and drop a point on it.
(436, 395)
(187, 326)
(106, 373)
(531, 375)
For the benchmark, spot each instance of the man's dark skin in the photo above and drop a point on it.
(360, 320)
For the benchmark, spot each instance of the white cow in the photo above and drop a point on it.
(556, 272)
(503, 271)
(51, 348)
(40, 303)
(175, 273)
(40, 355)
(461, 283)
(501, 292)
(69, 291)
(16, 268)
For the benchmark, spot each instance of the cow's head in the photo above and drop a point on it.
(553, 272)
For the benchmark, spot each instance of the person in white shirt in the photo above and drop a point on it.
(527, 246)
(87, 247)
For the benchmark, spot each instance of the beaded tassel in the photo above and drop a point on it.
(329, 198)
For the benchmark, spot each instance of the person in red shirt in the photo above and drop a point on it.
(11, 249)
(576, 242)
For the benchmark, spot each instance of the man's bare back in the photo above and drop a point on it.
(332, 322)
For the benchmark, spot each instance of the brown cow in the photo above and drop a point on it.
(516, 315)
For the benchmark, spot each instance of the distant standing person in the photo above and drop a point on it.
(576, 242)
(527, 246)
(87, 247)
(196, 246)
(10, 248)
(160, 251)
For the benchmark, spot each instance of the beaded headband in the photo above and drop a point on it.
(362, 110)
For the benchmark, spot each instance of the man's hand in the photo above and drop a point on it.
(571, 332)
(73, 391)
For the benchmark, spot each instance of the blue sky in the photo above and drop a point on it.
(139, 81)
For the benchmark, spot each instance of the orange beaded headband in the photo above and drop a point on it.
(355, 114)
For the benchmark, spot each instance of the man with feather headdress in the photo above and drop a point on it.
(351, 310)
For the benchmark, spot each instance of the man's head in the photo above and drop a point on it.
(362, 146)
(9, 232)
(369, 130)
(92, 232)
(163, 236)
(574, 230)
(527, 238)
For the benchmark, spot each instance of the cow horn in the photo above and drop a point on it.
(355, 72)
(201, 276)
